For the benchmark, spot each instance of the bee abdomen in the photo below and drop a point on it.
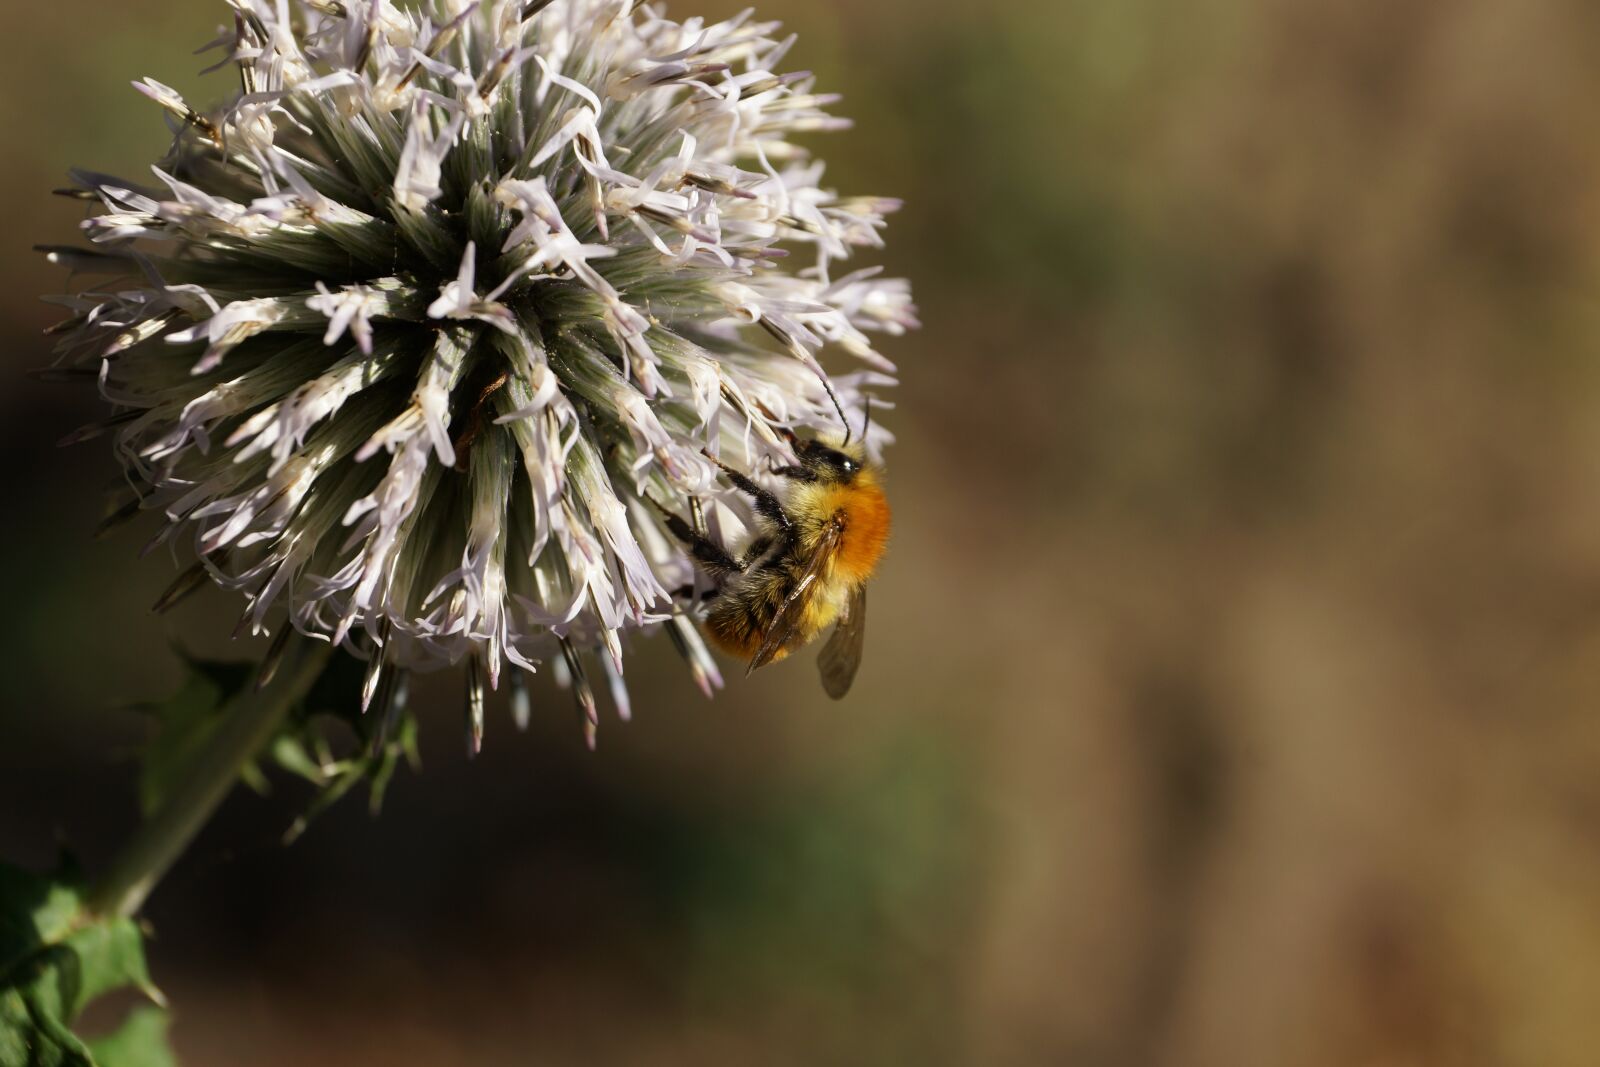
(741, 617)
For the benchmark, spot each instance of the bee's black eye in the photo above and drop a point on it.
(838, 461)
(820, 457)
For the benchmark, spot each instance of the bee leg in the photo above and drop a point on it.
(686, 592)
(712, 557)
(796, 471)
(796, 474)
(768, 506)
(754, 554)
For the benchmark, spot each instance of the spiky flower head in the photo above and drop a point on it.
(407, 334)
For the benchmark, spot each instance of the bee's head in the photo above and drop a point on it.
(831, 462)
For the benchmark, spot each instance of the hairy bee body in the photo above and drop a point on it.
(807, 566)
(863, 510)
(743, 611)
(741, 615)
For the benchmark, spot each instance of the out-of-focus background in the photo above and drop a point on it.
(1233, 690)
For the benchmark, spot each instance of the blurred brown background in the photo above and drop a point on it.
(1233, 693)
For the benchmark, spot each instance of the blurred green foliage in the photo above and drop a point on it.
(55, 960)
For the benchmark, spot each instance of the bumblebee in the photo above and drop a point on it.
(807, 566)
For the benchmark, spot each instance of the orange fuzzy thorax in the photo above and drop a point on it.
(864, 510)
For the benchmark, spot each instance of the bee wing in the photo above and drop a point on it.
(788, 617)
(842, 654)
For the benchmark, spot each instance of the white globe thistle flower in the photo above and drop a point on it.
(406, 336)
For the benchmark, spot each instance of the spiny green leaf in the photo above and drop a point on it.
(255, 779)
(229, 676)
(34, 911)
(185, 721)
(188, 718)
(337, 691)
(289, 752)
(55, 959)
(141, 1042)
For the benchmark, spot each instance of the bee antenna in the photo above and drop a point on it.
(866, 417)
(838, 407)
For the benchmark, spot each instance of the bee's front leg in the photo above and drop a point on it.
(755, 553)
(768, 506)
(795, 473)
(715, 560)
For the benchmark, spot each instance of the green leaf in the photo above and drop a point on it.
(336, 698)
(141, 1042)
(337, 693)
(185, 721)
(375, 769)
(289, 752)
(54, 960)
(188, 718)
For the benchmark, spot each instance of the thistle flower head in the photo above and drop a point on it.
(407, 336)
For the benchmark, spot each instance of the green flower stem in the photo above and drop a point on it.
(251, 720)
